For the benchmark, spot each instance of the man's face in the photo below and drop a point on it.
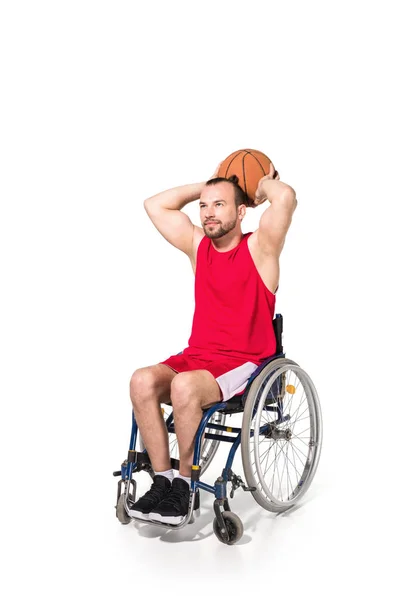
(218, 211)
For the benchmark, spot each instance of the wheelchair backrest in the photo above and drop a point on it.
(278, 328)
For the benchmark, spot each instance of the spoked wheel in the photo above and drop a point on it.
(281, 435)
(233, 527)
(208, 448)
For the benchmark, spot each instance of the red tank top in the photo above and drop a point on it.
(233, 308)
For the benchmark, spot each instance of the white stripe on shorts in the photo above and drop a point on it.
(235, 381)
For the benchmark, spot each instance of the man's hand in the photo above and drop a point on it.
(261, 195)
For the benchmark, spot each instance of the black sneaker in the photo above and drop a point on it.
(174, 508)
(159, 489)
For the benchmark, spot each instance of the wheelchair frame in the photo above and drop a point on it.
(227, 525)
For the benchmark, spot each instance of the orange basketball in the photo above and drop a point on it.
(249, 166)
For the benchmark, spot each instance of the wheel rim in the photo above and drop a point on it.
(283, 457)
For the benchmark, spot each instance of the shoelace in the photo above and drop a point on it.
(175, 498)
(155, 493)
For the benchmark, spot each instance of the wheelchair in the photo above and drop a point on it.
(280, 441)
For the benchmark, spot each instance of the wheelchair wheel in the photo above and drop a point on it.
(208, 449)
(281, 435)
(233, 525)
(122, 515)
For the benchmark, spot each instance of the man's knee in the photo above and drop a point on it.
(190, 387)
(183, 388)
(143, 382)
(150, 383)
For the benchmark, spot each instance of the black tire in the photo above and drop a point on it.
(233, 525)
(122, 515)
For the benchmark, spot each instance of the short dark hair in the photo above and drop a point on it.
(240, 196)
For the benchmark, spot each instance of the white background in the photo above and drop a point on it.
(104, 104)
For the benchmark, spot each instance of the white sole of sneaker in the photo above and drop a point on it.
(136, 514)
(167, 520)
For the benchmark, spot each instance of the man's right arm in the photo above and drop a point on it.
(164, 210)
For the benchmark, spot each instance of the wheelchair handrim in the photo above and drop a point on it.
(265, 496)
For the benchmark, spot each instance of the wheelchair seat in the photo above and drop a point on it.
(236, 403)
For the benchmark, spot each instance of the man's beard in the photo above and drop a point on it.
(218, 230)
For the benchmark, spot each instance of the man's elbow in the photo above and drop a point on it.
(289, 197)
(288, 192)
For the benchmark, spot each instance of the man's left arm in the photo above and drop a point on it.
(276, 219)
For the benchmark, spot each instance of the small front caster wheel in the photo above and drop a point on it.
(122, 515)
(233, 525)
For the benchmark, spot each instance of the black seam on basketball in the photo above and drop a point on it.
(233, 158)
(262, 168)
(244, 172)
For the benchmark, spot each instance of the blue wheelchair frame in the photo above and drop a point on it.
(141, 461)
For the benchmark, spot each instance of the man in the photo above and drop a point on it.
(236, 278)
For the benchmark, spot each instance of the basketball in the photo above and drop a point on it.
(249, 166)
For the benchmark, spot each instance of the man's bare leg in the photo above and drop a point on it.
(190, 391)
(149, 387)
